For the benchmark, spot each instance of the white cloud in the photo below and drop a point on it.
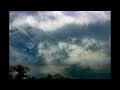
(76, 54)
(88, 58)
(44, 21)
(51, 21)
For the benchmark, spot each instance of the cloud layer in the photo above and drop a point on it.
(61, 38)
(89, 53)
(52, 20)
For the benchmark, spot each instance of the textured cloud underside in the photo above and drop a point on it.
(61, 38)
(52, 20)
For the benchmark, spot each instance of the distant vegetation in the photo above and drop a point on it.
(20, 72)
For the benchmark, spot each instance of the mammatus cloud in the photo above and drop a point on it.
(52, 20)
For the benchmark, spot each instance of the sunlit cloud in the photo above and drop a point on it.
(60, 38)
(52, 20)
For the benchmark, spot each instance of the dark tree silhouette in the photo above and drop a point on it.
(55, 76)
(18, 71)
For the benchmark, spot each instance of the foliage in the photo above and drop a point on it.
(20, 72)
(55, 76)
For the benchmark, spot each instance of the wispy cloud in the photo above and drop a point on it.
(61, 38)
(52, 20)
(72, 53)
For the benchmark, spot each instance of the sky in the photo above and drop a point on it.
(47, 19)
(63, 38)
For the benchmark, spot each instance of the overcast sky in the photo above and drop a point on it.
(72, 37)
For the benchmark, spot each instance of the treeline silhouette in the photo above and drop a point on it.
(20, 72)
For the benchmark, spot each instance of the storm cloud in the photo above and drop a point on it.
(61, 38)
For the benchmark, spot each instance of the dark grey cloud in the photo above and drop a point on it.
(34, 36)
(47, 19)
(68, 44)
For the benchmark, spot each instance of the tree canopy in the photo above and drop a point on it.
(20, 72)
